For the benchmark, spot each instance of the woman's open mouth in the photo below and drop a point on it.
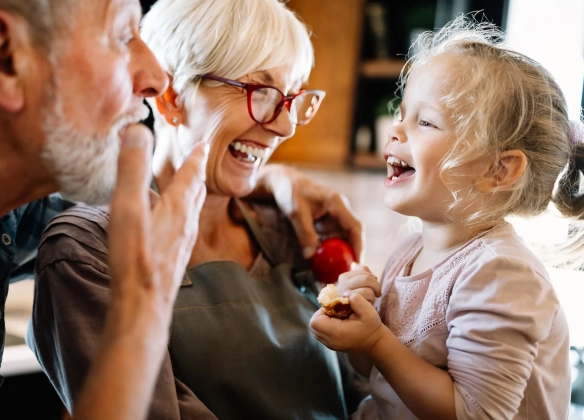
(247, 151)
(398, 169)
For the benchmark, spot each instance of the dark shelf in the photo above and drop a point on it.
(370, 161)
(386, 68)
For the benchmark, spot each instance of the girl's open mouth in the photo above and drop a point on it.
(398, 169)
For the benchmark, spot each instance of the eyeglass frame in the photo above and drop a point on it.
(286, 100)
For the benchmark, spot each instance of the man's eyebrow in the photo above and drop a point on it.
(128, 7)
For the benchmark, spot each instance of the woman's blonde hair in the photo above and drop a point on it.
(229, 38)
(501, 100)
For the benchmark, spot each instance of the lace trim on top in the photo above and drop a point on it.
(414, 305)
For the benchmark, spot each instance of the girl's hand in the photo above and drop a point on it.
(359, 332)
(360, 280)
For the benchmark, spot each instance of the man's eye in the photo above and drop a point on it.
(126, 37)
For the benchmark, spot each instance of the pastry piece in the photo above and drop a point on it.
(333, 304)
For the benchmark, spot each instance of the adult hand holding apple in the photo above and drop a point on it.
(332, 258)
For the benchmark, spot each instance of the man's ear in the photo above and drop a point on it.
(13, 40)
(166, 105)
(503, 173)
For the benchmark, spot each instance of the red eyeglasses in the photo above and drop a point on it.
(264, 103)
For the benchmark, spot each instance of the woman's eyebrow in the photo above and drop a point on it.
(266, 77)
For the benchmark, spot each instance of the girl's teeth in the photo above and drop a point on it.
(392, 160)
(393, 178)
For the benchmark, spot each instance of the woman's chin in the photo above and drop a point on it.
(235, 188)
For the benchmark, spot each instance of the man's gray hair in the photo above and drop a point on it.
(45, 17)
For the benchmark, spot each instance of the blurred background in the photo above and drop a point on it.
(360, 48)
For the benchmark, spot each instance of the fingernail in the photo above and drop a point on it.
(354, 266)
(347, 293)
(308, 252)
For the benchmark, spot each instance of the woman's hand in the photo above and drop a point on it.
(311, 207)
(358, 333)
(360, 280)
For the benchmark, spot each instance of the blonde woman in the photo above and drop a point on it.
(240, 345)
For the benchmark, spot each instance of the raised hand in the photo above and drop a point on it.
(149, 246)
(306, 202)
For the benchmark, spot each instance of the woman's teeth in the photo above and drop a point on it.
(252, 153)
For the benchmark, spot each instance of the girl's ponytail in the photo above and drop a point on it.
(569, 196)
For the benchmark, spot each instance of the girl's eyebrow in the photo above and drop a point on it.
(425, 104)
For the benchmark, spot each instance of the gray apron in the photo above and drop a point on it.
(243, 344)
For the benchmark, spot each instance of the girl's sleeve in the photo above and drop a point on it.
(500, 309)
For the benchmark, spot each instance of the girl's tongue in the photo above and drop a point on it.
(401, 172)
(398, 169)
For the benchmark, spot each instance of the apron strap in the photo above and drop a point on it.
(302, 280)
(268, 250)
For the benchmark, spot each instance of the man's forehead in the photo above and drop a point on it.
(109, 9)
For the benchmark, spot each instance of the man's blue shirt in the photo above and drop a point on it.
(20, 233)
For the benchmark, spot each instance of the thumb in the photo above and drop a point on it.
(133, 176)
(154, 198)
(303, 224)
(359, 304)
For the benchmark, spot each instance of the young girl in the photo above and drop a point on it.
(468, 324)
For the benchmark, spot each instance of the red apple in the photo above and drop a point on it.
(333, 258)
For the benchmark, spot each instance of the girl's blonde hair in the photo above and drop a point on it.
(229, 38)
(501, 100)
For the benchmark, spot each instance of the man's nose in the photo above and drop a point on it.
(149, 78)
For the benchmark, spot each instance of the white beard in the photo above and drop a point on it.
(84, 167)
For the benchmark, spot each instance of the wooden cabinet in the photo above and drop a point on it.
(336, 36)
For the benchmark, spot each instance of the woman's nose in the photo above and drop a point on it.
(282, 126)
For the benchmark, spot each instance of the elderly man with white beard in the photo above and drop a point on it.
(73, 76)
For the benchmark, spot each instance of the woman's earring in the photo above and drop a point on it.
(175, 121)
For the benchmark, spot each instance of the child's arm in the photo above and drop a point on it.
(427, 390)
(361, 362)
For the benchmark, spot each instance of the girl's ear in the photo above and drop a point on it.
(503, 173)
(166, 105)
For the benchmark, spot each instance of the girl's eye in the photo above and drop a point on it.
(426, 124)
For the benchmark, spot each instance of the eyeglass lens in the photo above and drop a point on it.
(264, 103)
